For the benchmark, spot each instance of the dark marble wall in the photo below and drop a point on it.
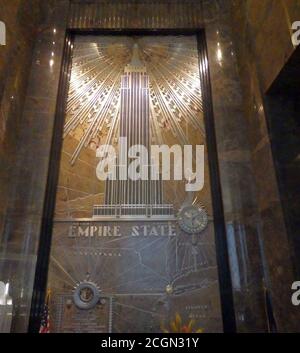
(256, 233)
(236, 174)
(267, 24)
(28, 176)
(21, 18)
(282, 113)
(262, 39)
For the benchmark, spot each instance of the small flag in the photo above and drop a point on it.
(45, 320)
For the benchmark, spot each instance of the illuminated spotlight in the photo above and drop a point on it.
(219, 55)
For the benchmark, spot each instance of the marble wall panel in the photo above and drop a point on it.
(238, 187)
(269, 24)
(21, 19)
(23, 219)
(261, 32)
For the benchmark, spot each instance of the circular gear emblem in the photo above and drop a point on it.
(192, 219)
(86, 295)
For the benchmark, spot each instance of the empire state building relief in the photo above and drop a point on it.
(139, 251)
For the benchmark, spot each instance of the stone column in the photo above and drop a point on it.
(238, 188)
(21, 233)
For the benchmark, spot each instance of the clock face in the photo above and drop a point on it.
(192, 219)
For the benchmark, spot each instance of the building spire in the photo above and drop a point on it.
(136, 64)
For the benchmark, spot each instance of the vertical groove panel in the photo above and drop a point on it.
(130, 14)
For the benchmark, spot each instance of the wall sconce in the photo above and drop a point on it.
(219, 54)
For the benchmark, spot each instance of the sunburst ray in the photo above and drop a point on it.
(94, 94)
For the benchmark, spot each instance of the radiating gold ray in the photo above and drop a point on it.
(93, 100)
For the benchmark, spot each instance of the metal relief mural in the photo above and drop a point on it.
(174, 92)
(129, 255)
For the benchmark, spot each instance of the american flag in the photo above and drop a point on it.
(45, 319)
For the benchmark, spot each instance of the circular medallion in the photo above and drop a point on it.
(86, 295)
(192, 219)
